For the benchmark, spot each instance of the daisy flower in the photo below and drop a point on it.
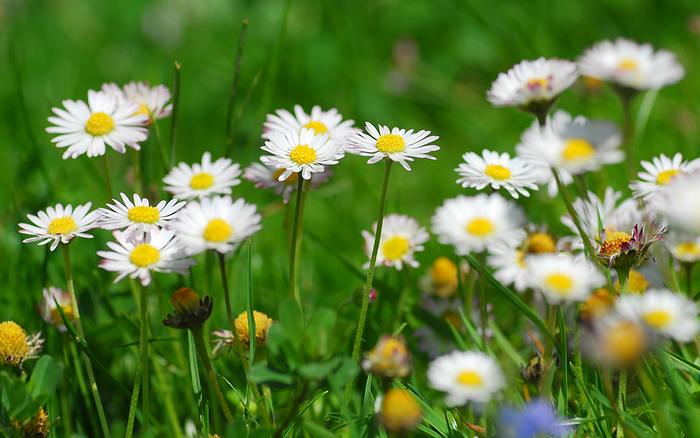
(476, 223)
(562, 278)
(466, 376)
(659, 173)
(617, 340)
(49, 309)
(679, 202)
(137, 256)
(497, 171)
(301, 152)
(533, 85)
(59, 224)
(389, 358)
(320, 121)
(138, 216)
(88, 127)
(619, 249)
(671, 315)
(151, 101)
(267, 177)
(685, 247)
(397, 144)
(216, 223)
(509, 265)
(575, 145)
(401, 237)
(204, 179)
(16, 345)
(628, 64)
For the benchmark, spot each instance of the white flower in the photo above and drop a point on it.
(466, 376)
(151, 101)
(536, 83)
(659, 173)
(216, 223)
(204, 179)
(301, 152)
(679, 201)
(138, 216)
(509, 265)
(497, 171)
(87, 127)
(401, 237)
(685, 247)
(397, 144)
(575, 145)
(267, 177)
(49, 309)
(562, 278)
(670, 314)
(137, 256)
(629, 64)
(320, 121)
(59, 225)
(476, 223)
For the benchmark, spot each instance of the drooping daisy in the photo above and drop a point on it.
(138, 216)
(151, 101)
(668, 313)
(659, 173)
(476, 223)
(628, 64)
(49, 309)
(204, 179)
(301, 152)
(137, 256)
(320, 121)
(59, 224)
(16, 346)
(397, 144)
(466, 376)
(576, 145)
(509, 265)
(533, 85)
(267, 177)
(679, 202)
(497, 171)
(685, 247)
(88, 127)
(401, 237)
(563, 278)
(216, 223)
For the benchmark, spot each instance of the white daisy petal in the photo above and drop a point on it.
(59, 225)
(204, 179)
(466, 376)
(401, 237)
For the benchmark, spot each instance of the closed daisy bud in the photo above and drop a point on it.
(389, 358)
(400, 412)
(190, 310)
(16, 346)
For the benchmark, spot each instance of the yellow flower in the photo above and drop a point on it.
(389, 358)
(400, 411)
(16, 346)
(637, 283)
(262, 325)
(38, 426)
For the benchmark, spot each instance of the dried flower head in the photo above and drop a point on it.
(190, 310)
(621, 250)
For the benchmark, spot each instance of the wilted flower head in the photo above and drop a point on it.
(16, 346)
(537, 419)
(389, 358)
(190, 310)
(400, 411)
(621, 250)
(37, 426)
(49, 309)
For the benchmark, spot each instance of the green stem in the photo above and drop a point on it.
(689, 279)
(548, 349)
(483, 289)
(138, 184)
(236, 339)
(628, 131)
(134, 402)
(574, 216)
(204, 355)
(295, 236)
(79, 326)
(672, 278)
(141, 368)
(623, 275)
(108, 181)
(173, 119)
(161, 146)
(370, 274)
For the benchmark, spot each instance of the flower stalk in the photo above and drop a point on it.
(293, 293)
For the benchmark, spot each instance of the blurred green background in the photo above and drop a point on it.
(411, 63)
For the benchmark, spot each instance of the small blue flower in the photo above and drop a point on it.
(536, 420)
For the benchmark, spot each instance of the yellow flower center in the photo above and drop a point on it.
(390, 143)
(99, 124)
(637, 283)
(444, 271)
(291, 179)
(469, 378)
(262, 325)
(628, 64)
(144, 255)
(144, 215)
(143, 109)
(13, 343)
(688, 249)
(395, 248)
(56, 314)
(658, 320)
(665, 177)
(400, 411)
(540, 243)
(521, 259)
(62, 225)
(496, 171)
(613, 243)
(480, 227)
(201, 181)
(537, 83)
(597, 305)
(624, 342)
(217, 231)
(318, 127)
(303, 154)
(578, 149)
(392, 347)
(559, 283)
